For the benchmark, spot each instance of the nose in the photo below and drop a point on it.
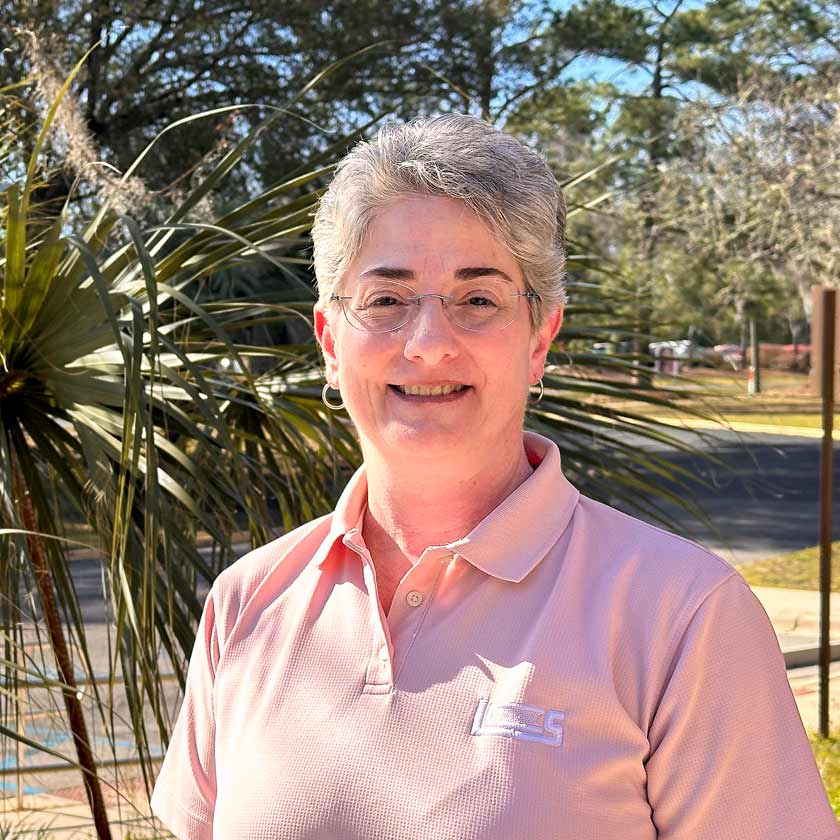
(430, 335)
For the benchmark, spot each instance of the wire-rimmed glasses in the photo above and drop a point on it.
(483, 305)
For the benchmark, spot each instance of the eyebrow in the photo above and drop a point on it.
(470, 273)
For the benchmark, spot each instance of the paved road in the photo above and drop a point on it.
(765, 502)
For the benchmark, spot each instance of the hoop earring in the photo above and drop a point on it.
(540, 395)
(326, 402)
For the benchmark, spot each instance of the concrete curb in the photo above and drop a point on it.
(801, 657)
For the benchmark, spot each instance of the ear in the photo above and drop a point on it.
(541, 342)
(326, 340)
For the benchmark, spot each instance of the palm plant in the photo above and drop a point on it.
(116, 410)
(129, 407)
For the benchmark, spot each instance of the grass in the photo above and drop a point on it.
(786, 399)
(778, 388)
(784, 396)
(794, 570)
(827, 754)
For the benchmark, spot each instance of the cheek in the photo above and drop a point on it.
(515, 360)
(362, 363)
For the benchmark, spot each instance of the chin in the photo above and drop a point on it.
(424, 443)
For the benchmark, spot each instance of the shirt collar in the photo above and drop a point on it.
(512, 539)
(348, 516)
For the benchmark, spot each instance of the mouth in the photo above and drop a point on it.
(430, 393)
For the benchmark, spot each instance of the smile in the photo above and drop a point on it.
(436, 391)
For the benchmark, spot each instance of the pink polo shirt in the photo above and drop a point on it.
(564, 671)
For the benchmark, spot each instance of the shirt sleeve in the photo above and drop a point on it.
(729, 758)
(185, 791)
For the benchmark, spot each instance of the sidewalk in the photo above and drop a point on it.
(45, 817)
(794, 613)
(795, 616)
(740, 426)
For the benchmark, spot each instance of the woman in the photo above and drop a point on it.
(466, 647)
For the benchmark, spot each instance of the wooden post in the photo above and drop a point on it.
(828, 310)
(817, 327)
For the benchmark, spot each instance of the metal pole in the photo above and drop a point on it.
(826, 474)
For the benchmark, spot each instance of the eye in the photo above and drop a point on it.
(384, 300)
(478, 298)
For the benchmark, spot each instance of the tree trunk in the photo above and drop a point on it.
(58, 643)
(644, 314)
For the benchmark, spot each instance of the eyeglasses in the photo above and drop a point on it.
(380, 306)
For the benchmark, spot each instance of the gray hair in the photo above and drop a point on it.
(509, 186)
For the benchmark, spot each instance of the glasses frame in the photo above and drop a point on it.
(411, 313)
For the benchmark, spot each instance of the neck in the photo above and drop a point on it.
(411, 507)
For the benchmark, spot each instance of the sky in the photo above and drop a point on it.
(610, 70)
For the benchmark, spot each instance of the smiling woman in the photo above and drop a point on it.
(463, 325)
(467, 647)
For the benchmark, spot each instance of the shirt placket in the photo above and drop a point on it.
(413, 599)
(394, 634)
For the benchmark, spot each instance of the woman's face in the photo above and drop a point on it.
(429, 240)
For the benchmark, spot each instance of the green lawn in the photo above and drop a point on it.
(827, 754)
(786, 398)
(794, 390)
(796, 570)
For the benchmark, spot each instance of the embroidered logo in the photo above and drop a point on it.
(518, 720)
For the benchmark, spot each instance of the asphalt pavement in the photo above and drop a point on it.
(760, 494)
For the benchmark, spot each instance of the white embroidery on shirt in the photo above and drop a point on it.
(518, 720)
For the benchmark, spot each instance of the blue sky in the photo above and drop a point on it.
(607, 69)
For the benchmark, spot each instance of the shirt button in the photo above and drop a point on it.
(414, 598)
(383, 653)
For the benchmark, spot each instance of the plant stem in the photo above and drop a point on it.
(75, 715)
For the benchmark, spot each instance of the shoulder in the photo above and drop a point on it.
(661, 598)
(623, 538)
(662, 576)
(272, 566)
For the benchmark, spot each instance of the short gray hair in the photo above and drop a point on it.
(509, 186)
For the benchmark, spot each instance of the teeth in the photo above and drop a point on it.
(437, 390)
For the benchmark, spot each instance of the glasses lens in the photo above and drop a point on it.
(483, 306)
(379, 306)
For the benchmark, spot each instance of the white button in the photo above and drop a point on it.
(414, 598)
(383, 653)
